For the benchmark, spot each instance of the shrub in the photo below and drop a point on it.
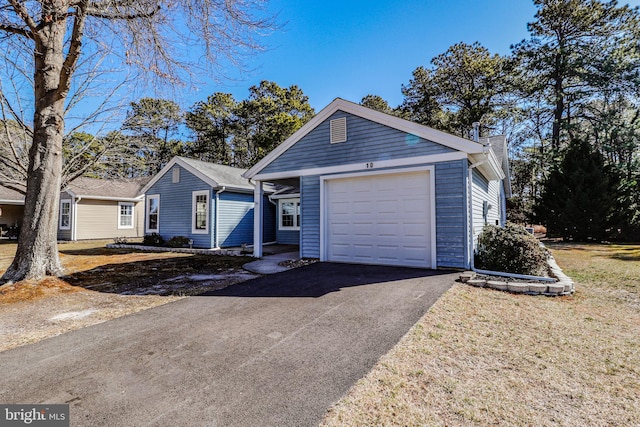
(510, 249)
(178, 242)
(153, 239)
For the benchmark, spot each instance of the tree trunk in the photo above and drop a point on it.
(37, 253)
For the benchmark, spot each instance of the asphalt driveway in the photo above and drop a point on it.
(274, 351)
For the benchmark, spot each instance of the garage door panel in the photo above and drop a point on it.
(388, 230)
(380, 219)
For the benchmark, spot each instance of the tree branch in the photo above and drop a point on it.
(69, 65)
(15, 30)
(97, 13)
(24, 14)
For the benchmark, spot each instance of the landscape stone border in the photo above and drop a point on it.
(563, 285)
(223, 252)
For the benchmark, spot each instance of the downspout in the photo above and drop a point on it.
(74, 227)
(215, 231)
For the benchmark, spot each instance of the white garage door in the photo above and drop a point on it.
(379, 219)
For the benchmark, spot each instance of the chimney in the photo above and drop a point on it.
(476, 131)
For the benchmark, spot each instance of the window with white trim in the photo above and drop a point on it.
(125, 215)
(200, 212)
(153, 213)
(289, 214)
(175, 175)
(65, 214)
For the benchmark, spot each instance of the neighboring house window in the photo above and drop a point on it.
(153, 213)
(200, 212)
(289, 214)
(125, 215)
(65, 214)
(175, 178)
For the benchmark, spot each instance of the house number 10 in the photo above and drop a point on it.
(369, 165)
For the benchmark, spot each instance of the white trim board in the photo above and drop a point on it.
(146, 213)
(133, 216)
(194, 198)
(432, 204)
(364, 166)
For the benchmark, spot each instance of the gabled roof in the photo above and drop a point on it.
(91, 188)
(217, 176)
(474, 149)
(106, 189)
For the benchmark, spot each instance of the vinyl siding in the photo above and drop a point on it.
(484, 190)
(310, 217)
(176, 206)
(98, 219)
(451, 214)
(268, 221)
(288, 237)
(235, 210)
(235, 220)
(367, 141)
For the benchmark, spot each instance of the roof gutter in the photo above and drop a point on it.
(115, 199)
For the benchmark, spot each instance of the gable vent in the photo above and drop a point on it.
(339, 130)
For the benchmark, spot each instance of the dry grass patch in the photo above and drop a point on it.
(483, 357)
(92, 291)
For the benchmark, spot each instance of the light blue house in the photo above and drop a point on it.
(210, 204)
(367, 187)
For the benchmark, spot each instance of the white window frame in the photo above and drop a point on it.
(194, 197)
(120, 216)
(147, 204)
(62, 203)
(175, 175)
(296, 216)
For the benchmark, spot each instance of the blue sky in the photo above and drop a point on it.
(351, 48)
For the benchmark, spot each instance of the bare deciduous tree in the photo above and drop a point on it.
(44, 44)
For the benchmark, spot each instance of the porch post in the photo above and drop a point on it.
(257, 219)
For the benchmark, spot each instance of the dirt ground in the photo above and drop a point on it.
(102, 284)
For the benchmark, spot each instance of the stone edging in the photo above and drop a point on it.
(563, 286)
(226, 252)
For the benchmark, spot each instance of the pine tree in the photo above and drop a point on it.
(578, 197)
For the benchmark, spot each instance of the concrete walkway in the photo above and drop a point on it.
(275, 351)
(269, 264)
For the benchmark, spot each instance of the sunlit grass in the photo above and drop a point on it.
(481, 357)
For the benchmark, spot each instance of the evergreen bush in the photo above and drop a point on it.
(178, 242)
(510, 249)
(153, 239)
